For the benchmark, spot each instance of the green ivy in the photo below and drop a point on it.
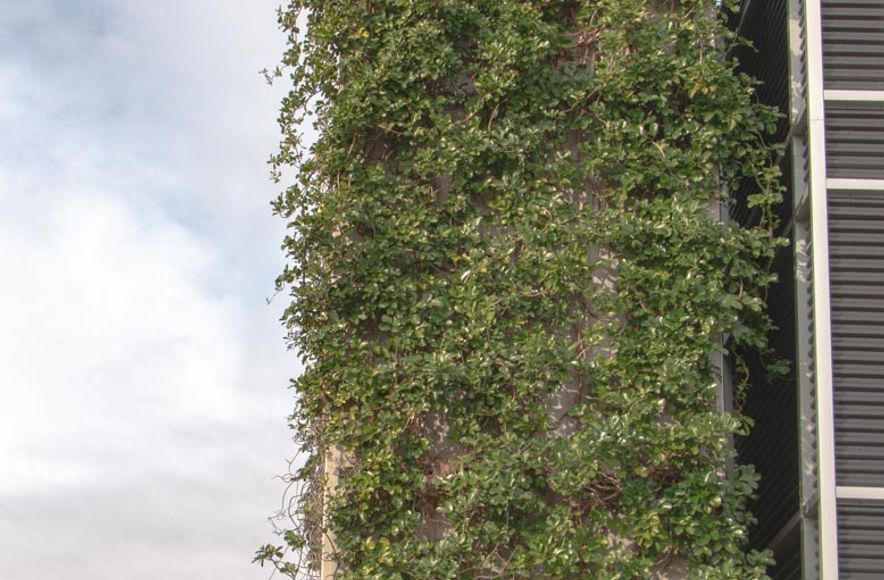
(512, 203)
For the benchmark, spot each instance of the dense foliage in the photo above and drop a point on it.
(508, 275)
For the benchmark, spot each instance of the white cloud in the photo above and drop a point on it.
(108, 328)
(142, 377)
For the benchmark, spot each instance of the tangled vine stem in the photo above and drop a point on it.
(507, 282)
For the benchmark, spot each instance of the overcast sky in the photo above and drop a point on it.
(143, 377)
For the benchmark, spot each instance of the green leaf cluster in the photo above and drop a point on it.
(508, 274)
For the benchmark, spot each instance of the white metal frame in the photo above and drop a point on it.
(822, 324)
(860, 493)
(859, 97)
(846, 492)
(855, 184)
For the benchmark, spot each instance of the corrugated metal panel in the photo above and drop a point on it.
(799, 45)
(804, 363)
(855, 140)
(861, 540)
(773, 444)
(788, 557)
(853, 44)
(765, 24)
(811, 547)
(856, 234)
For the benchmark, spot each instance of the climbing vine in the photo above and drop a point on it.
(508, 275)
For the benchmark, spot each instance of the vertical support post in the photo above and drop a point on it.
(804, 373)
(822, 326)
(330, 464)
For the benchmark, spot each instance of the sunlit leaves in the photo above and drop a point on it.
(509, 207)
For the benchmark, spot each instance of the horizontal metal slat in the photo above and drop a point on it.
(855, 144)
(856, 228)
(853, 44)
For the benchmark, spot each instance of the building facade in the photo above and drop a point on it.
(818, 440)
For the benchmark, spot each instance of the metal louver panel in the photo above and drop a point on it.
(856, 234)
(855, 140)
(853, 44)
(861, 546)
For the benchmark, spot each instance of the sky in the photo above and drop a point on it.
(143, 375)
